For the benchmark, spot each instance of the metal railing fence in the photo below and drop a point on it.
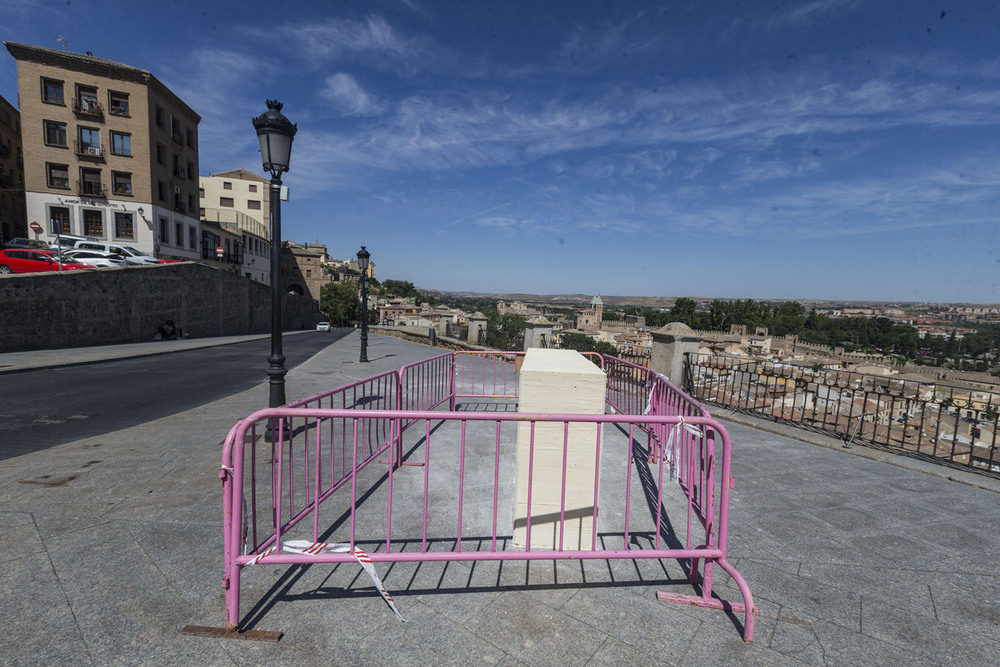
(950, 424)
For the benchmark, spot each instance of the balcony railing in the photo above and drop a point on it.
(91, 189)
(950, 424)
(88, 106)
(88, 150)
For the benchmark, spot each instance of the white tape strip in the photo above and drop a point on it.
(649, 401)
(317, 548)
(671, 447)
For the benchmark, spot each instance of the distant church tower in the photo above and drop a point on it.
(591, 317)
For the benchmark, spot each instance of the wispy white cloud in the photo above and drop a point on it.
(348, 97)
(448, 129)
(808, 12)
(471, 216)
(371, 40)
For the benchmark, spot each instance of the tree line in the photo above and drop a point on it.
(870, 334)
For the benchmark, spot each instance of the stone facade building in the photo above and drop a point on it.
(109, 152)
(303, 269)
(13, 219)
(240, 202)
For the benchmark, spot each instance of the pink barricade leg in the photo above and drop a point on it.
(233, 597)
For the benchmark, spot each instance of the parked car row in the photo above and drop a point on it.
(22, 260)
(79, 251)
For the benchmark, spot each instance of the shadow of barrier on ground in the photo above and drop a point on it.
(441, 513)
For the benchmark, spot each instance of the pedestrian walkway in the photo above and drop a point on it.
(111, 545)
(15, 362)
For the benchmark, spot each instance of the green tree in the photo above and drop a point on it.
(582, 343)
(339, 302)
(504, 332)
(684, 310)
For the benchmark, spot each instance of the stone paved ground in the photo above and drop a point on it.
(111, 545)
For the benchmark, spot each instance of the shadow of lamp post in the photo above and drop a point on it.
(363, 257)
(275, 133)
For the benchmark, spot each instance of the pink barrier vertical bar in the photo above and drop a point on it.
(628, 480)
(230, 489)
(281, 457)
(562, 491)
(496, 487)
(708, 444)
(354, 478)
(427, 472)
(461, 484)
(597, 481)
(253, 482)
(451, 385)
(393, 464)
(659, 503)
(315, 502)
(531, 472)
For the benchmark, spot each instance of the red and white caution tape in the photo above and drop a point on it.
(256, 559)
(318, 548)
(671, 446)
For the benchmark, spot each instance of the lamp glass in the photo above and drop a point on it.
(275, 149)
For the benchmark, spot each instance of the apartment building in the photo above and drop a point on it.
(240, 202)
(109, 152)
(13, 219)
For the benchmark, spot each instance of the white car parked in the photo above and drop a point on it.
(130, 254)
(93, 257)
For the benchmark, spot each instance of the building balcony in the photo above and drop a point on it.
(91, 189)
(86, 106)
(88, 150)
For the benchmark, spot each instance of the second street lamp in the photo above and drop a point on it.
(363, 257)
(275, 133)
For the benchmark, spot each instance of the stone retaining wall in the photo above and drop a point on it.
(128, 304)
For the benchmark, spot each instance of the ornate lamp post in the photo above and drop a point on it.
(363, 257)
(275, 133)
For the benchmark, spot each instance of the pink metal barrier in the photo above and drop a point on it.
(318, 468)
(487, 374)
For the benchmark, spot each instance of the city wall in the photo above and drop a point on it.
(128, 305)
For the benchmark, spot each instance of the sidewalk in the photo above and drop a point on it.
(111, 545)
(15, 362)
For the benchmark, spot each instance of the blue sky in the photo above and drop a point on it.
(823, 149)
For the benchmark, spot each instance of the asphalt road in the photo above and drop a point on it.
(49, 407)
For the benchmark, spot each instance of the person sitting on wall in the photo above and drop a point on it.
(167, 331)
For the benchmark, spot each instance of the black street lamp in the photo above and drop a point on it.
(363, 257)
(275, 133)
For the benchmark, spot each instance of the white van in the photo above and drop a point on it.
(130, 254)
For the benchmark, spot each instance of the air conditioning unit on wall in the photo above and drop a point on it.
(177, 189)
(94, 150)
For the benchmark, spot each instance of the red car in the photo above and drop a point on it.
(23, 260)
